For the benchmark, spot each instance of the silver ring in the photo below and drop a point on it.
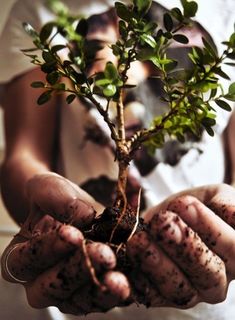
(8, 272)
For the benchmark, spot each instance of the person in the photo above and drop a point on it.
(188, 255)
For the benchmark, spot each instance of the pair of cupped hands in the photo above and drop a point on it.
(186, 255)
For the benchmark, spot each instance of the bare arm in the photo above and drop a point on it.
(230, 134)
(30, 136)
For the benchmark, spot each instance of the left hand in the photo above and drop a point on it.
(188, 254)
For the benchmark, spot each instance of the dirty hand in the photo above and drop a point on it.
(188, 253)
(52, 260)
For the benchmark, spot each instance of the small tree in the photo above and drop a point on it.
(188, 93)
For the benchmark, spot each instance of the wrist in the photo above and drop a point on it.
(15, 173)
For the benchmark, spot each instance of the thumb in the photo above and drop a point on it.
(58, 197)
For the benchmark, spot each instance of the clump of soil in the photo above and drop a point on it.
(108, 228)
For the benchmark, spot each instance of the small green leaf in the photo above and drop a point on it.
(30, 30)
(231, 55)
(231, 89)
(44, 97)
(209, 47)
(122, 11)
(48, 56)
(147, 38)
(48, 67)
(177, 14)
(103, 82)
(142, 6)
(110, 71)
(53, 77)
(190, 8)
(180, 38)
(110, 90)
(37, 84)
(207, 121)
(46, 31)
(230, 97)
(224, 105)
(168, 22)
(60, 86)
(70, 98)
(29, 50)
(221, 73)
(82, 27)
(58, 47)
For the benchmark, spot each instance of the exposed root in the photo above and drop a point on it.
(122, 212)
(137, 217)
(91, 268)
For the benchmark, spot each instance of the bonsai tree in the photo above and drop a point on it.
(190, 94)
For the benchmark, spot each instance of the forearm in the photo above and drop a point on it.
(231, 147)
(30, 134)
(15, 173)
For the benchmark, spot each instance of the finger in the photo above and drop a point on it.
(57, 197)
(163, 273)
(32, 257)
(60, 281)
(215, 232)
(143, 292)
(223, 204)
(114, 291)
(203, 267)
(101, 255)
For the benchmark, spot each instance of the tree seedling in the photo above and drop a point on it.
(191, 95)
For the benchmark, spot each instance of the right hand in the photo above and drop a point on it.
(58, 267)
(188, 254)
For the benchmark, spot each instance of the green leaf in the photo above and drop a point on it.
(147, 38)
(37, 84)
(58, 47)
(231, 64)
(180, 38)
(123, 29)
(207, 121)
(110, 90)
(70, 98)
(230, 97)
(224, 105)
(46, 31)
(30, 30)
(48, 67)
(103, 82)
(231, 89)
(177, 14)
(60, 86)
(231, 55)
(48, 56)
(29, 50)
(190, 8)
(122, 11)
(53, 77)
(209, 47)
(232, 41)
(110, 71)
(142, 5)
(44, 97)
(82, 27)
(58, 7)
(170, 65)
(210, 131)
(221, 73)
(168, 22)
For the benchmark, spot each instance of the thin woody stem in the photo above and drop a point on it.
(120, 119)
